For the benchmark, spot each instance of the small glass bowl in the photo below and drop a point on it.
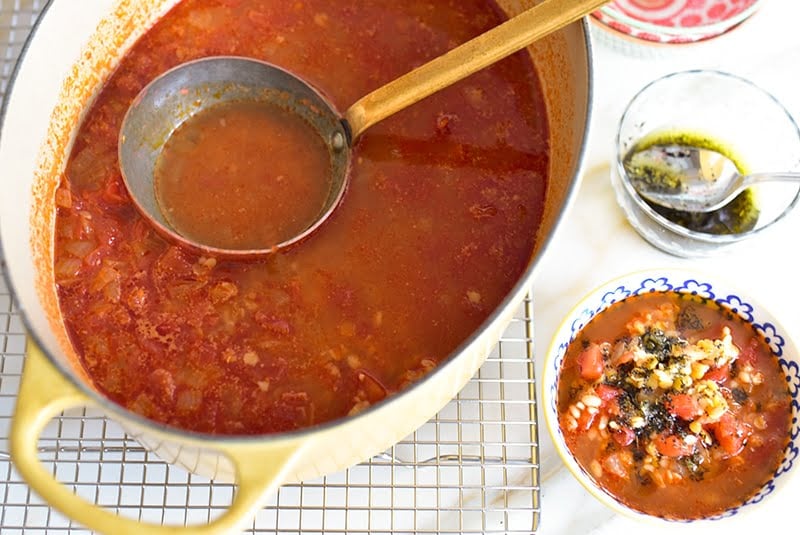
(674, 21)
(732, 112)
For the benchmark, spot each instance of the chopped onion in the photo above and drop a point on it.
(67, 269)
(79, 248)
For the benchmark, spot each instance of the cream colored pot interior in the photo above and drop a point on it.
(65, 64)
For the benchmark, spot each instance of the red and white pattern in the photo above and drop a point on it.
(674, 21)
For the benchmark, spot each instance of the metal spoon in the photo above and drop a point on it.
(189, 88)
(691, 179)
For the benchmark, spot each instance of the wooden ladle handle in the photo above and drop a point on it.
(468, 58)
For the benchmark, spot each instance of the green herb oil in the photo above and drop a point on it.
(738, 216)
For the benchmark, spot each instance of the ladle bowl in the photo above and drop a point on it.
(182, 92)
(192, 87)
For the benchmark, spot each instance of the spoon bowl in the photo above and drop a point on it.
(192, 87)
(691, 179)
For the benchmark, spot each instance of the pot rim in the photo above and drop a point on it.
(523, 283)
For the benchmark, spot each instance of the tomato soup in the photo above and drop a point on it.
(437, 225)
(243, 175)
(674, 405)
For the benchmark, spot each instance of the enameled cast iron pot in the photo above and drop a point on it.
(70, 54)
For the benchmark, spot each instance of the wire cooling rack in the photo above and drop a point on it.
(472, 469)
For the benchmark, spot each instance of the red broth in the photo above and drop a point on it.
(674, 406)
(438, 223)
(242, 175)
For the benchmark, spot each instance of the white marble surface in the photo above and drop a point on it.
(595, 243)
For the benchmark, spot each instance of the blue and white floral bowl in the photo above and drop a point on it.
(682, 281)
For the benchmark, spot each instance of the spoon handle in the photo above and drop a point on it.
(746, 182)
(755, 178)
(468, 58)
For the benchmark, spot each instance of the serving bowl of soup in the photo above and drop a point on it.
(672, 396)
(313, 359)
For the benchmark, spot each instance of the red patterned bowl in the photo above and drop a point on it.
(674, 21)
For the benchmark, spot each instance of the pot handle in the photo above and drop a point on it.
(45, 393)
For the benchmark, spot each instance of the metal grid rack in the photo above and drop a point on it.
(472, 469)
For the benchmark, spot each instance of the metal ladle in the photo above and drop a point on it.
(194, 86)
(691, 179)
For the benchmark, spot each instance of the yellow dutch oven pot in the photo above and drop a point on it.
(73, 49)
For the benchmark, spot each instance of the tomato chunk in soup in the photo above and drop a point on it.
(674, 405)
(438, 223)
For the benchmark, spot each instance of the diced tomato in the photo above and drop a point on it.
(590, 363)
(731, 434)
(612, 407)
(107, 230)
(623, 435)
(673, 446)
(114, 191)
(718, 375)
(606, 392)
(749, 352)
(684, 406)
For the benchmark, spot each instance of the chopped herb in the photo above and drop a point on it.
(627, 408)
(646, 390)
(694, 465)
(617, 379)
(651, 177)
(688, 320)
(655, 341)
(644, 479)
(658, 418)
(739, 395)
(737, 217)
(681, 428)
(676, 362)
(637, 378)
